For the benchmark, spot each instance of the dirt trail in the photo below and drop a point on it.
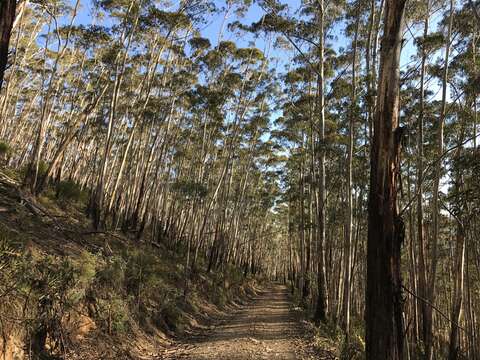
(267, 328)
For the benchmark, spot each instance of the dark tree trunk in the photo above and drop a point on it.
(7, 16)
(321, 306)
(384, 325)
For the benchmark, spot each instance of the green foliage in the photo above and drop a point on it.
(113, 314)
(42, 169)
(4, 148)
(164, 19)
(431, 42)
(51, 278)
(223, 285)
(145, 282)
(48, 288)
(218, 296)
(190, 189)
(85, 271)
(198, 43)
(354, 349)
(134, 286)
(71, 191)
(112, 274)
(41, 291)
(141, 274)
(11, 276)
(328, 336)
(173, 316)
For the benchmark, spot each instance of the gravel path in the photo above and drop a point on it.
(267, 328)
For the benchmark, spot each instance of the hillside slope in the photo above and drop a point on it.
(70, 292)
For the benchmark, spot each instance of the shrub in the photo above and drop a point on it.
(69, 190)
(111, 308)
(355, 348)
(85, 268)
(49, 288)
(41, 292)
(51, 281)
(173, 317)
(42, 170)
(217, 294)
(11, 282)
(4, 148)
(113, 314)
(142, 274)
(112, 274)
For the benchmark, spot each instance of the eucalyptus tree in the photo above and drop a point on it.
(352, 115)
(438, 176)
(50, 83)
(208, 147)
(128, 15)
(25, 72)
(7, 17)
(460, 126)
(308, 36)
(321, 306)
(383, 314)
(85, 77)
(422, 274)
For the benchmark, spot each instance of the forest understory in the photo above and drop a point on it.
(305, 172)
(70, 292)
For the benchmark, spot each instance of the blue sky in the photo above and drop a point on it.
(280, 58)
(212, 28)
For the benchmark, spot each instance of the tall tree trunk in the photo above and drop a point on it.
(422, 272)
(459, 257)
(72, 132)
(436, 191)
(7, 16)
(321, 307)
(369, 98)
(349, 219)
(458, 293)
(97, 201)
(302, 228)
(384, 323)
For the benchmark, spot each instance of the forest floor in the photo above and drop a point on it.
(224, 316)
(267, 327)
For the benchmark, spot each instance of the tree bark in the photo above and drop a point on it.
(436, 193)
(422, 273)
(349, 218)
(321, 306)
(7, 16)
(458, 293)
(383, 314)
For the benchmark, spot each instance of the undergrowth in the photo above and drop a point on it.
(329, 336)
(137, 287)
